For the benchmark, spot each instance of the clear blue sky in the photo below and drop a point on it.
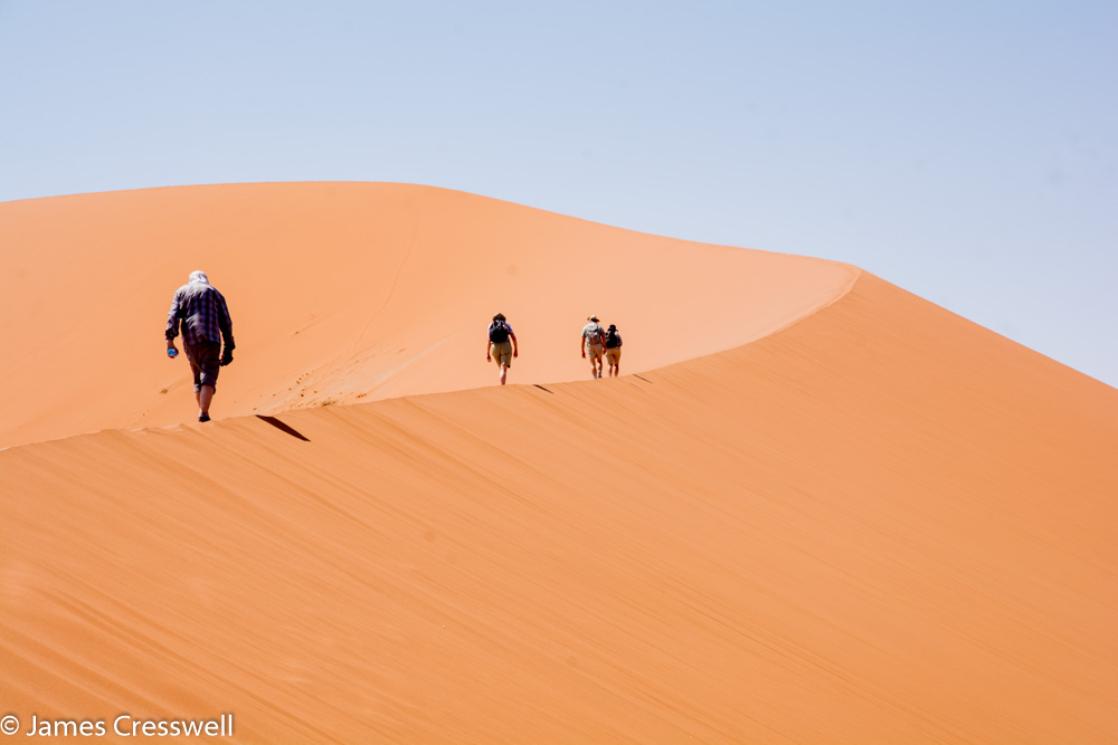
(967, 151)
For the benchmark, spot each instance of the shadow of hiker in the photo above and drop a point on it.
(283, 427)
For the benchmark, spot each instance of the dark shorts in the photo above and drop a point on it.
(205, 363)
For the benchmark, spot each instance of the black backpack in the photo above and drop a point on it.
(498, 332)
(613, 339)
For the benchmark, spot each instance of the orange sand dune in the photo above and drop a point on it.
(882, 524)
(341, 292)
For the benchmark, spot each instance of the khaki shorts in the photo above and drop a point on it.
(502, 353)
(613, 355)
(595, 351)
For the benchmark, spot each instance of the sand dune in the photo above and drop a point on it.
(347, 292)
(881, 524)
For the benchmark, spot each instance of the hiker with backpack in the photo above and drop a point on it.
(500, 344)
(613, 350)
(592, 343)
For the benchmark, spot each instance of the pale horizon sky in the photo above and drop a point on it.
(965, 151)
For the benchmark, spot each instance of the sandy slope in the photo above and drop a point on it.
(341, 292)
(880, 525)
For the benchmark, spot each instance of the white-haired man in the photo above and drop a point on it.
(205, 320)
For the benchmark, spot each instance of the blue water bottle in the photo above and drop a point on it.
(172, 352)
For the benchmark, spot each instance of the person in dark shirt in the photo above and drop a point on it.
(613, 350)
(204, 316)
(501, 345)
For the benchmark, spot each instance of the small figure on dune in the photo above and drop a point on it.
(205, 320)
(500, 345)
(592, 344)
(613, 350)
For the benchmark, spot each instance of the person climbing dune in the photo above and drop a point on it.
(501, 345)
(204, 317)
(613, 350)
(592, 343)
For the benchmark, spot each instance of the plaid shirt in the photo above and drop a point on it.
(204, 315)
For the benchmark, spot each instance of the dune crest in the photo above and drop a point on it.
(346, 292)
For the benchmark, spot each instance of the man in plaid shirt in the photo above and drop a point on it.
(205, 321)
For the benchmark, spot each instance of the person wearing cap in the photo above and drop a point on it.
(592, 344)
(501, 345)
(613, 350)
(204, 316)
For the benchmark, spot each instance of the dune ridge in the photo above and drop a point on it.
(882, 524)
(347, 292)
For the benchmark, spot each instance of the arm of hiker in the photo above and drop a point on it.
(515, 346)
(488, 346)
(172, 329)
(225, 324)
(582, 345)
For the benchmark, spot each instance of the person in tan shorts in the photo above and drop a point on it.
(500, 345)
(613, 350)
(592, 343)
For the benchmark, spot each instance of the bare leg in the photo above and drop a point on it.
(504, 374)
(205, 396)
